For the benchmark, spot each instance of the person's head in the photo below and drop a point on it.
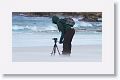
(55, 19)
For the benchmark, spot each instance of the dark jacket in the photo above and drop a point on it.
(62, 27)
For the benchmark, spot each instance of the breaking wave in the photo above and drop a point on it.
(44, 24)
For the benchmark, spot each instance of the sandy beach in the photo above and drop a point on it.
(81, 53)
(32, 40)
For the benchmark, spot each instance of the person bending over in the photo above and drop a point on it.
(67, 32)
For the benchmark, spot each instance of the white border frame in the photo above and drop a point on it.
(9, 67)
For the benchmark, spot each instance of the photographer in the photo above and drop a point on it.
(67, 33)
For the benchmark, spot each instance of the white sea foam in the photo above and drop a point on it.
(34, 28)
(38, 24)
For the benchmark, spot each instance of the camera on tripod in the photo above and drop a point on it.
(55, 47)
(55, 40)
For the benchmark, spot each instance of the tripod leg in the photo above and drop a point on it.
(58, 50)
(53, 51)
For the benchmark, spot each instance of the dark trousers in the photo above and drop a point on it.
(67, 41)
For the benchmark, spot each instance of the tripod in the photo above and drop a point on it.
(54, 49)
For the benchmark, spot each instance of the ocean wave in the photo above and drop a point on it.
(33, 28)
(51, 29)
(43, 24)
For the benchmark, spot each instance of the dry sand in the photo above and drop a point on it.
(82, 53)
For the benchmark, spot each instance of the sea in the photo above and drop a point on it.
(40, 31)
